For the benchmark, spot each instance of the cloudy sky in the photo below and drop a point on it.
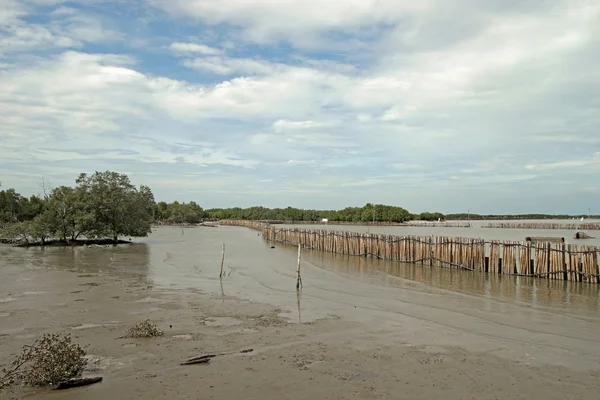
(491, 106)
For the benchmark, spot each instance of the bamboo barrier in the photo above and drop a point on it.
(543, 225)
(548, 260)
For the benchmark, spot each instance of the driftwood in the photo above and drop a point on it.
(76, 382)
(205, 359)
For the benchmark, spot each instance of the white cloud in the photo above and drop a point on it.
(266, 21)
(194, 48)
(587, 162)
(231, 66)
(67, 28)
(10, 12)
(284, 125)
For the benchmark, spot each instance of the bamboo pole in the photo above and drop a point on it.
(298, 277)
(222, 261)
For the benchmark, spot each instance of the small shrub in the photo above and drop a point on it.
(49, 360)
(144, 329)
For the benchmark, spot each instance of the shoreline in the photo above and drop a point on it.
(62, 243)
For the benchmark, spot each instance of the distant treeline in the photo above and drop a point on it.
(179, 213)
(367, 213)
(191, 212)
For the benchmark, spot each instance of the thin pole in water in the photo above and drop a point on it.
(298, 277)
(222, 260)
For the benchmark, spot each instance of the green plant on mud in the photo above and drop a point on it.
(51, 359)
(144, 329)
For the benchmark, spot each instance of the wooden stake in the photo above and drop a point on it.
(222, 260)
(298, 277)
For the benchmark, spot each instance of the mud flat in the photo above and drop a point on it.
(347, 336)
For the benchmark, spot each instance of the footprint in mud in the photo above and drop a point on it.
(89, 284)
(77, 291)
(8, 332)
(222, 321)
(86, 276)
(186, 336)
(98, 363)
(89, 326)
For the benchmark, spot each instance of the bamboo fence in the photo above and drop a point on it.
(543, 225)
(555, 261)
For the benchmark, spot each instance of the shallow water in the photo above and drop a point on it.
(532, 320)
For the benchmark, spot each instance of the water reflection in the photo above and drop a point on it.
(128, 261)
(298, 297)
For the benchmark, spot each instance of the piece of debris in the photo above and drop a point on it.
(198, 360)
(582, 235)
(205, 359)
(76, 382)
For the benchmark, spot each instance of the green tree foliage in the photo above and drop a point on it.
(427, 216)
(114, 206)
(101, 205)
(178, 213)
(14, 207)
(68, 213)
(368, 213)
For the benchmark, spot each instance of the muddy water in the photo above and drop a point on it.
(529, 320)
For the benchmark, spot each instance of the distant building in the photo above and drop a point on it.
(324, 220)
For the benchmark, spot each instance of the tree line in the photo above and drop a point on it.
(104, 205)
(368, 213)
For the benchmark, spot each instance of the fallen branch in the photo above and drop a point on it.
(76, 382)
(205, 359)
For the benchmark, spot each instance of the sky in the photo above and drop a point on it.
(433, 105)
